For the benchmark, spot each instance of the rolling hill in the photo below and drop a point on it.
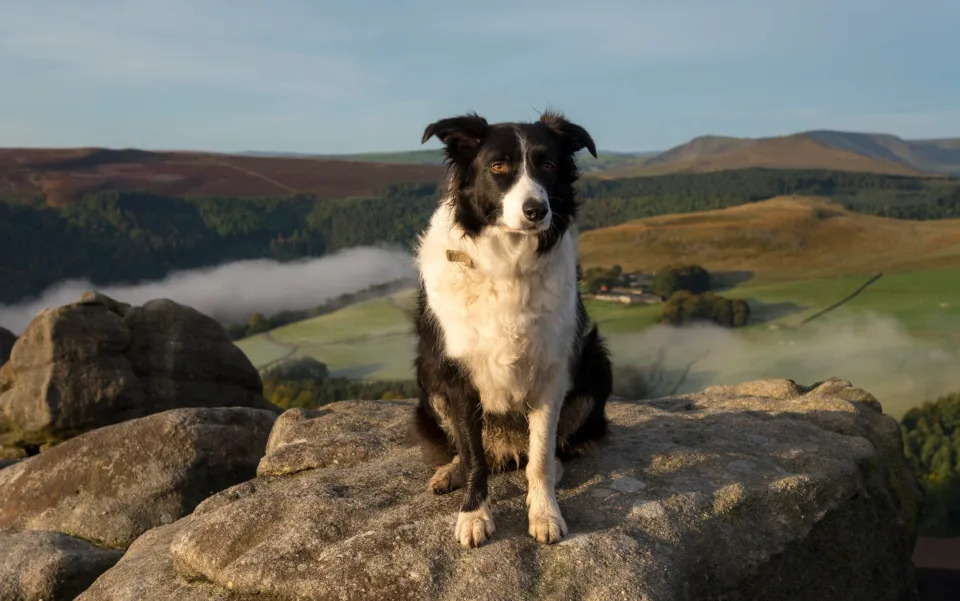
(779, 239)
(798, 151)
(61, 176)
(933, 156)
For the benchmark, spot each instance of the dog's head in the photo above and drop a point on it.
(516, 177)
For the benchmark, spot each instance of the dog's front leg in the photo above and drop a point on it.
(546, 524)
(475, 521)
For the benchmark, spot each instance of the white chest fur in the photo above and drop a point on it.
(511, 317)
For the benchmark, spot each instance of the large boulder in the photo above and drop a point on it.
(98, 362)
(49, 566)
(760, 491)
(7, 338)
(111, 485)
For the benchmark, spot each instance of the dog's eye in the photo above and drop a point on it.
(499, 167)
(548, 166)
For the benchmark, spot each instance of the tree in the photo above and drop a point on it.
(674, 278)
(258, 323)
(596, 278)
(300, 368)
(931, 443)
(685, 307)
(741, 313)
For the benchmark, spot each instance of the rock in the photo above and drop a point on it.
(146, 572)
(7, 339)
(48, 566)
(185, 358)
(303, 440)
(764, 491)
(111, 485)
(97, 362)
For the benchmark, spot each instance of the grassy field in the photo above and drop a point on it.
(368, 340)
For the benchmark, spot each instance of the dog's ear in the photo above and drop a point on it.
(462, 135)
(572, 136)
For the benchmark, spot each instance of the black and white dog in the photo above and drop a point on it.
(506, 366)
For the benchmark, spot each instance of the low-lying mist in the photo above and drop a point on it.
(235, 290)
(873, 352)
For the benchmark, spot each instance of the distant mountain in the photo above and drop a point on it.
(812, 150)
(58, 177)
(935, 156)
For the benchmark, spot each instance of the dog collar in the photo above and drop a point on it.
(458, 256)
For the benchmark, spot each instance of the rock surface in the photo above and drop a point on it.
(7, 338)
(111, 485)
(49, 566)
(98, 362)
(762, 491)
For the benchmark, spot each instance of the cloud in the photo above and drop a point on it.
(873, 352)
(236, 290)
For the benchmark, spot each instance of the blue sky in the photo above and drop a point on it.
(317, 76)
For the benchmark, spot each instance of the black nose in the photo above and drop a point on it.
(534, 210)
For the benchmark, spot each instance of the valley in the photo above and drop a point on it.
(790, 258)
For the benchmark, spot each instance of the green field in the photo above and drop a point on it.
(614, 317)
(368, 340)
(899, 338)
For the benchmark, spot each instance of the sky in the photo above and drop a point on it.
(360, 76)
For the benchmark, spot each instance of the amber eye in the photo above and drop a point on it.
(548, 166)
(499, 167)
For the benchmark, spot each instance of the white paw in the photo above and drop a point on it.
(475, 527)
(546, 523)
(548, 529)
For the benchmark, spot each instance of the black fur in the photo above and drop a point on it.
(471, 146)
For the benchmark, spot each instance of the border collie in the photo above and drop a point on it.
(507, 370)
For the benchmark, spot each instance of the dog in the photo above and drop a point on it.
(508, 372)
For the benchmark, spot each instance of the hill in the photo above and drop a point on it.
(934, 156)
(60, 177)
(778, 239)
(605, 160)
(798, 151)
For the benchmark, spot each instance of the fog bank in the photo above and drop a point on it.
(235, 290)
(874, 352)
